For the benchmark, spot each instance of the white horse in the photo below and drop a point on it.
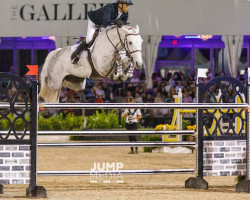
(58, 71)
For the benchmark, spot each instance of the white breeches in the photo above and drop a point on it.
(90, 31)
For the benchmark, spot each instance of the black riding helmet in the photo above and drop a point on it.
(128, 2)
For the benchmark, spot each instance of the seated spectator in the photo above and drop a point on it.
(192, 76)
(63, 95)
(176, 76)
(209, 74)
(109, 96)
(142, 88)
(89, 83)
(154, 80)
(130, 88)
(172, 91)
(99, 91)
(154, 92)
(162, 89)
(70, 98)
(136, 90)
(181, 76)
(142, 76)
(82, 96)
(193, 92)
(158, 98)
(128, 96)
(135, 80)
(171, 81)
(187, 98)
(118, 86)
(149, 99)
(90, 95)
(167, 87)
(96, 86)
(158, 76)
(170, 98)
(138, 98)
(178, 86)
(99, 99)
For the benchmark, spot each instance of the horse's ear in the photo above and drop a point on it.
(137, 29)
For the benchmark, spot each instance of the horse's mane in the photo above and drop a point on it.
(130, 28)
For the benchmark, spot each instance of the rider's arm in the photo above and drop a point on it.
(124, 18)
(107, 16)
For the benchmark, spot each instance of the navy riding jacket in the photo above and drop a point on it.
(107, 15)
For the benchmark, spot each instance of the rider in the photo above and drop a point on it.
(115, 13)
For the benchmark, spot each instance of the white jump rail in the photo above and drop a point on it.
(122, 172)
(133, 105)
(141, 105)
(106, 132)
(115, 144)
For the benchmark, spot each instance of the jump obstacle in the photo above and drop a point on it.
(31, 105)
(180, 113)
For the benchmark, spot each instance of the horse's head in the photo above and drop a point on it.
(133, 45)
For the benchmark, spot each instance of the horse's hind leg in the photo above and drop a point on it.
(74, 83)
(53, 96)
(49, 93)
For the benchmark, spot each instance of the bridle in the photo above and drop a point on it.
(124, 44)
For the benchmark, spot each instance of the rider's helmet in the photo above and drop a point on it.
(128, 2)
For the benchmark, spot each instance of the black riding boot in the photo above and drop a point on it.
(76, 54)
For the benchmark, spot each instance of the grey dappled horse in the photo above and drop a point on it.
(58, 71)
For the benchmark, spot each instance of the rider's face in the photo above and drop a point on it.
(125, 8)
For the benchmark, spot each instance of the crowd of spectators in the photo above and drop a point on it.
(163, 90)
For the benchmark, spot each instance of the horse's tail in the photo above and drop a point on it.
(45, 90)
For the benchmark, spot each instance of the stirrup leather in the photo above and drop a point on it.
(75, 59)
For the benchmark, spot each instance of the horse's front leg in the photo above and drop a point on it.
(129, 73)
(118, 71)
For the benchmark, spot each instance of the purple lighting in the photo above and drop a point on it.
(192, 36)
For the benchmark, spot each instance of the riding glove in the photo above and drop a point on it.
(119, 22)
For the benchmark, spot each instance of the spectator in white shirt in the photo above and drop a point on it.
(132, 117)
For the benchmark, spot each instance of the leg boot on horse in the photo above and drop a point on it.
(75, 56)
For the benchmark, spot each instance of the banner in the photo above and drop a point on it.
(155, 17)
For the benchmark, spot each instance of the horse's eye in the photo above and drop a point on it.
(130, 43)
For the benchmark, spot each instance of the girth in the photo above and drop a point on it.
(94, 75)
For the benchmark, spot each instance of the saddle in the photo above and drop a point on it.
(95, 75)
